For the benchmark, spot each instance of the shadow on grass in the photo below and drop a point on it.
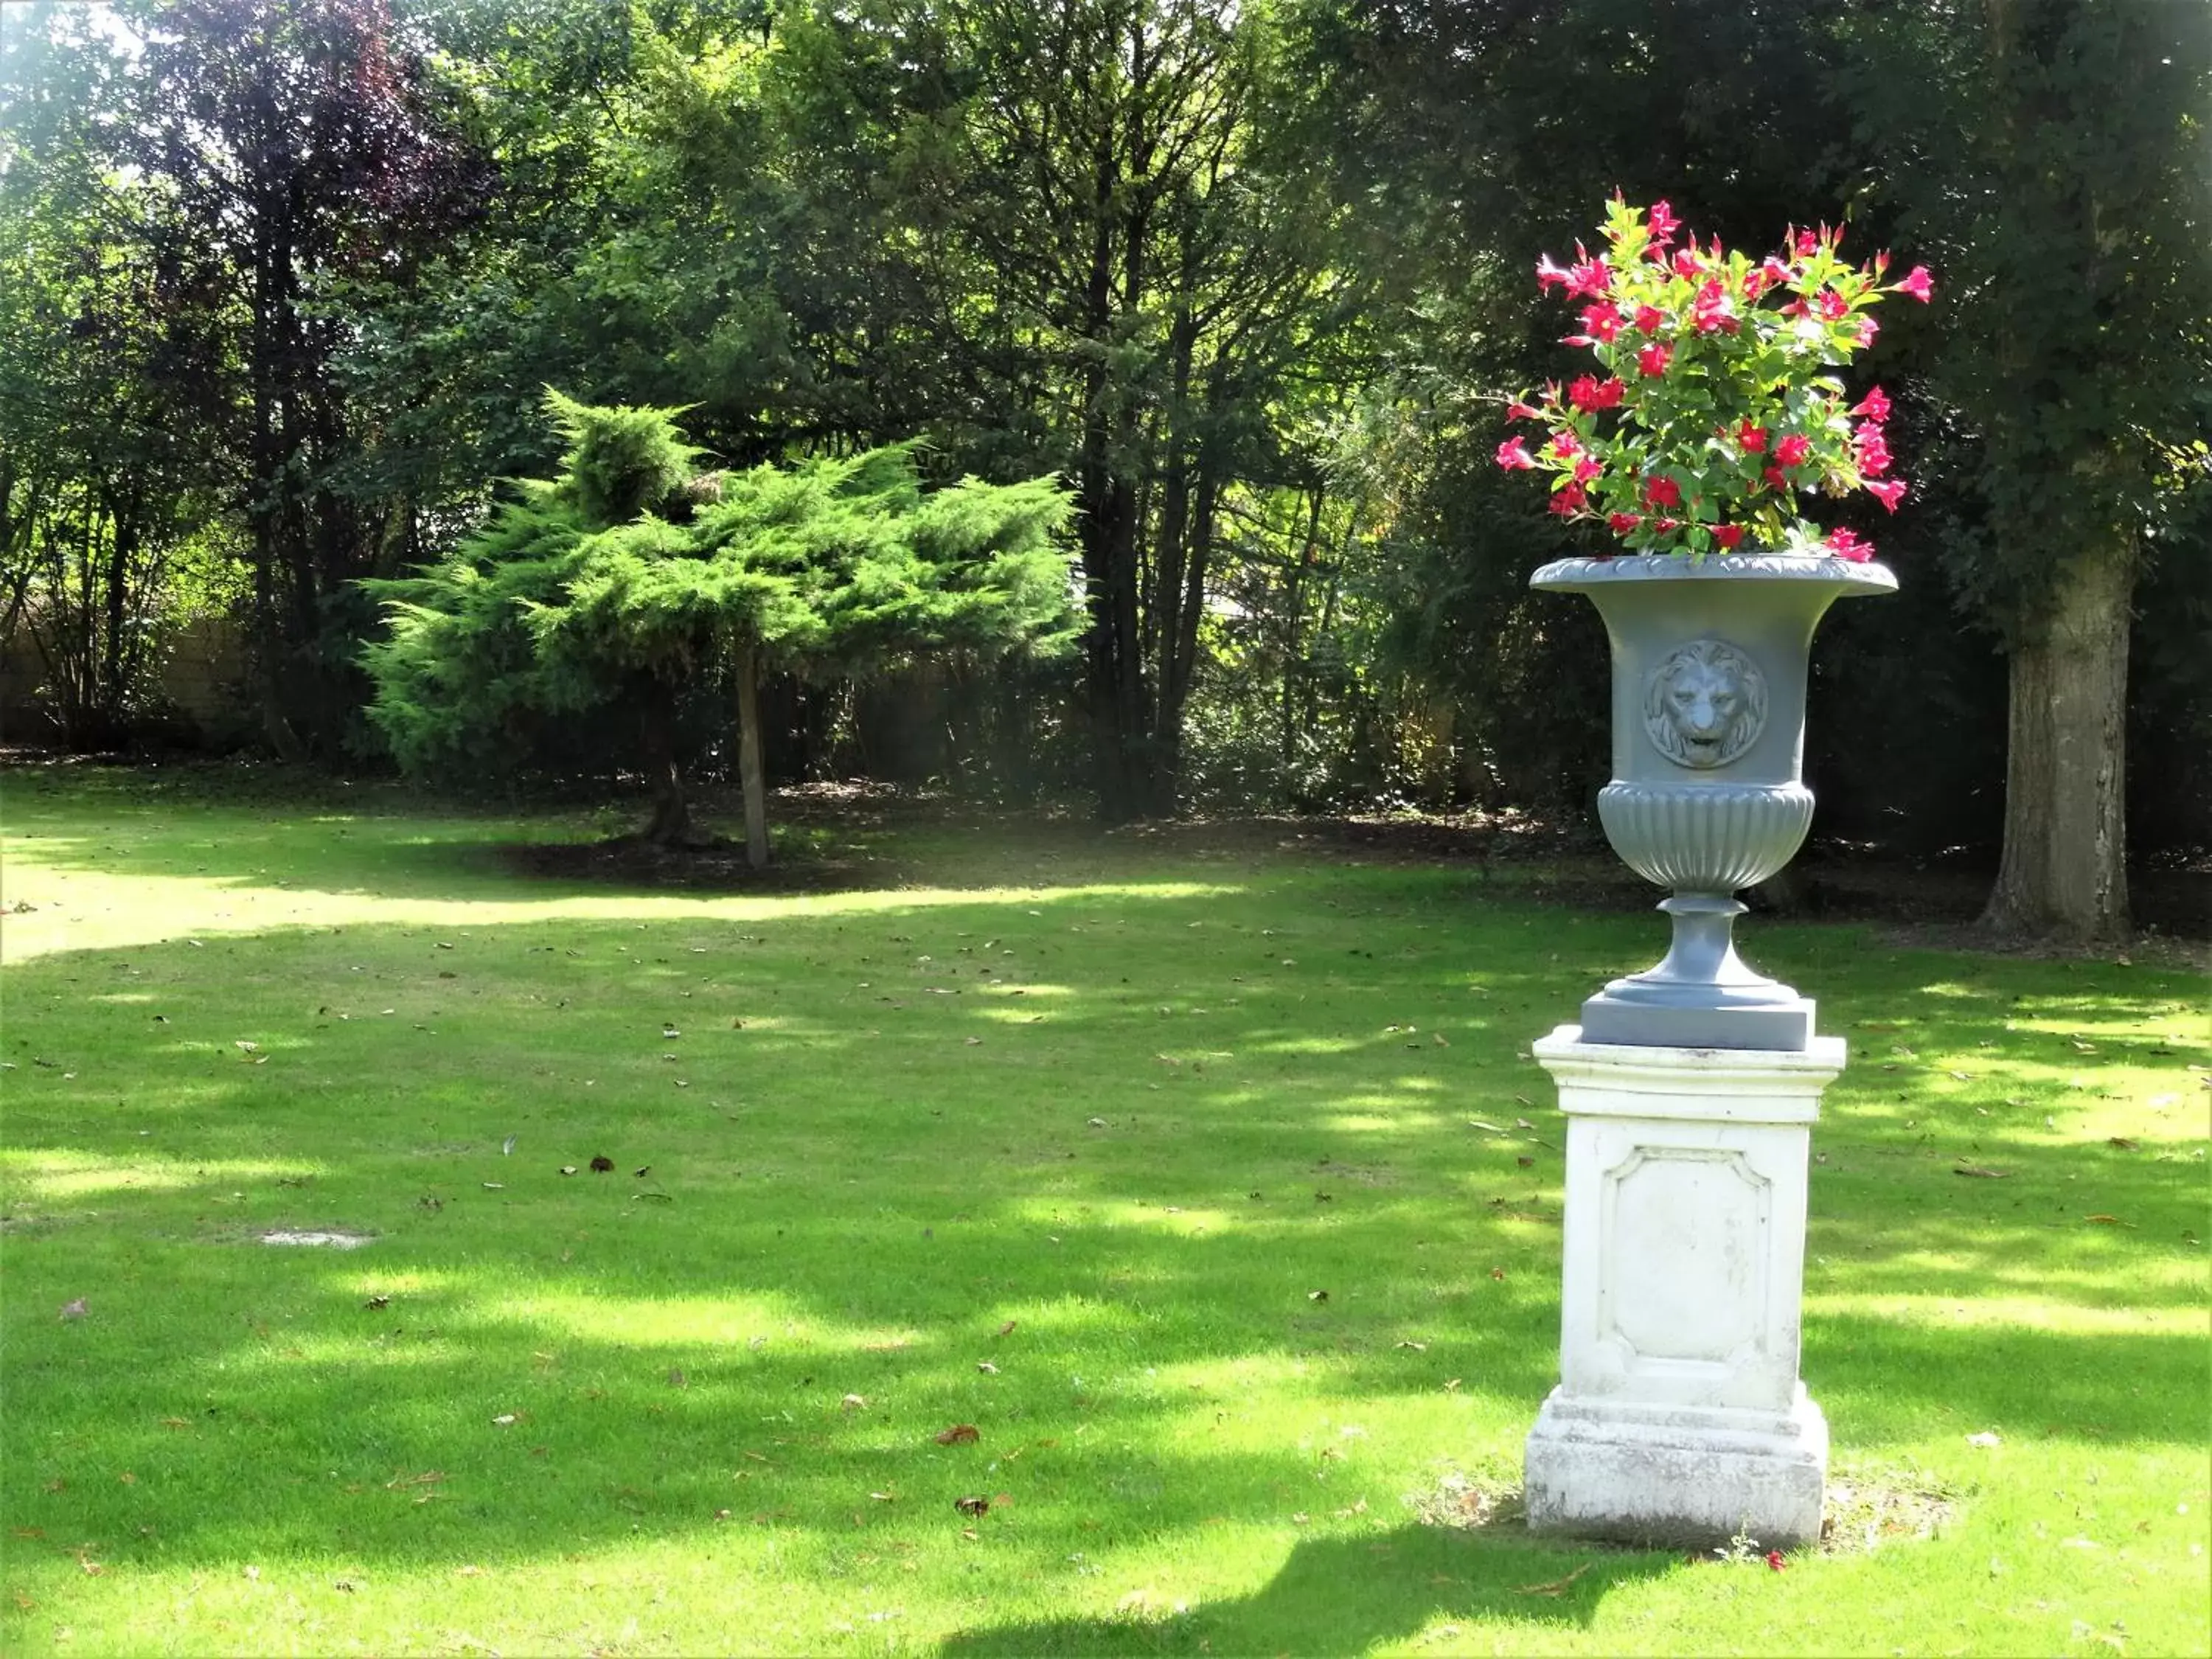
(1348, 1595)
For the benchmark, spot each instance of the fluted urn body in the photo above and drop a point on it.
(1708, 793)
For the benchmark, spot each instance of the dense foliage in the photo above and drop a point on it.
(631, 578)
(280, 281)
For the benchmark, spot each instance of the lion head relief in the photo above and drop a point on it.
(1705, 704)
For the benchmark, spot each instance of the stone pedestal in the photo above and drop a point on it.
(1679, 1418)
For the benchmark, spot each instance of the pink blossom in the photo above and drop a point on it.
(1547, 274)
(1727, 536)
(1713, 311)
(1845, 545)
(1621, 523)
(1687, 263)
(1870, 450)
(1831, 306)
(1514, 456)
(1649, 318)
(1918, 284)
(1663, 492)
(1874, 405)
(1774, 270)
(1566, 446)
(1792, 450)
(1602, 320)
(1653, 358)
(1664, 224)
(1517, 411)
(1568, 499)
(1589, 278)
(1807, 244)
(1752, 439)
(1868, 329)
(1665, 526)
(1888, 493)
(1587, 468)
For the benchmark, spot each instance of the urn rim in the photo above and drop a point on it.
(1846, 578)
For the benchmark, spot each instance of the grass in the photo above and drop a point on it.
(1045, 1133)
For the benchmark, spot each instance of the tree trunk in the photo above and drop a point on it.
(2065, 872)
(669, 825)
(749, 757)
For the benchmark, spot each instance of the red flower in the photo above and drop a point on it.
(1792, 450)
(1664, 224)
(1687, 263)
(1728, 535)
(1751, 439)
(1547, 274)
(1918, 283)
(1590, 394)
(1888, 493)
(1874, 405)
(1774, 1560)
(1569, 499)
(1774, 272)
(1807, 244)
(1621, 523)
(1868, 329)
(1587, 468)
(1517, 411)
(1602, 320)
(1649, 318)
(1653, 358)
(1845, 545)
(1663, 492)
(1665, 526)
(1773, 476)
(1831, 304)
(1566, 446)
(1514, 457)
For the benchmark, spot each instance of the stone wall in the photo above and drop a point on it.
(198, 687)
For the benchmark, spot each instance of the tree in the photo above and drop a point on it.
(2052, 154)
(633, 577)
(295, 150)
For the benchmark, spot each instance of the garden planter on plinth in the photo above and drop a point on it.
(1708, 793)
(1691, 1089)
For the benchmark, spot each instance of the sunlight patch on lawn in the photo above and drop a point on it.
(731, 1318)
(1983, 1309)
(89, 910)
(50, 1174)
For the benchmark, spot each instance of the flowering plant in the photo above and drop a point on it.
(1712, 410)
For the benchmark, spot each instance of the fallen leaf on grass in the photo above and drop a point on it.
(505, 1420)
(2123, 1142)
(73, 1310)
(853, 1402)
(567, 1169)
(972, 1505)
(986, 1368)
(2108, 1221)
(1557, 1586)
(1986, 1439)
(1978, 1173)
(1007, 1329)
(1316, 1295)
(602, 1164)
(676, 1379)
(1774, 1560)
(960, 1434)
(427, 1478)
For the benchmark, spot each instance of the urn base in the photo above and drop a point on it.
(1786, 1026)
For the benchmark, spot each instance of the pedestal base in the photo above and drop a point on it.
(1784, 1027)
(1699, 1476)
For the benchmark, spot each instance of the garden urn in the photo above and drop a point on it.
(1708, 794)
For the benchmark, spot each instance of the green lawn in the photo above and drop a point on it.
(1048, 1134)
